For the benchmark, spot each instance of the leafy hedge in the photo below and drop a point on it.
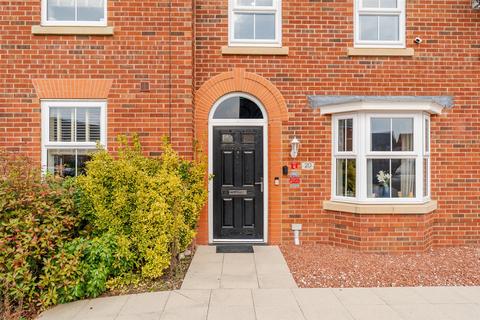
(125, 220)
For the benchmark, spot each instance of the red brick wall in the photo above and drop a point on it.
(318, 34)
(139, 51)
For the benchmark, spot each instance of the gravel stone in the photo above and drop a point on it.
(318, 266)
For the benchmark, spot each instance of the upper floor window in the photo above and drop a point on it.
(381, 157)
(74, 12)
(70, 132)
(255, 23)
(380, 23)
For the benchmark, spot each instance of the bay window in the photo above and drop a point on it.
(381, 157)
(70, 132)
(380, 23)
(74, 12)
(254, 23)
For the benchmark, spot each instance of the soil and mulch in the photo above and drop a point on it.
(315, 266)
(171, 280)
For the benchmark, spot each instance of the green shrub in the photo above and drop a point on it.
(151, 204)
(37, 217)
(80, 269)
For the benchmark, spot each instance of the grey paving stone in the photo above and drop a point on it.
(276, 304)
(152, 302)
(276, 281)
(419, 312)
(357, 296)
(241, 281)
(231, 304)
(373, 311)
(186, 305)
(102, 308)
(438, 295)
(460, 311)
(472, 294)
(64, 311)
(320, 303)
(402, 295)
(201, 281)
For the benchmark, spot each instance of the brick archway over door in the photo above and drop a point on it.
(238, 80)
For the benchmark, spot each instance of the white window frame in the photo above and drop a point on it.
(361, 147)
(275, 9)
(46, 22)
(400, 11)
(45, 125)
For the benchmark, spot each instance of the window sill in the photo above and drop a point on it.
(72, 30)
(421, 208)
(283, 51)
(381, 52)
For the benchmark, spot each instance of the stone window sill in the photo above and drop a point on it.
(381, 52)
(75, 30)
(283, 51)
(421, 208)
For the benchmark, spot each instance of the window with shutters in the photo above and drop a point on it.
(70, 132)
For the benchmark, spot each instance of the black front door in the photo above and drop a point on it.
(238, 183)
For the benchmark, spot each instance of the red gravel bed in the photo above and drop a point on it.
(317, 266)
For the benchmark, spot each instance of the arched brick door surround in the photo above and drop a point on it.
(238, 80)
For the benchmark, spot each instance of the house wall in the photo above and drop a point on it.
(139, 51)
(155, 45)
(318, 34)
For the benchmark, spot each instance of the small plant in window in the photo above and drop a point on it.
(383, 179)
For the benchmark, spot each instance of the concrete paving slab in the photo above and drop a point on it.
(316, 296)
(402, 295)
(241, 281)
(460, 311)
(64, 311)
(276, 304)
(201, 281)
(372, 311)
(472, 294)
(102, 308)
(231, 304)
(420, 312)
(320, 303)
(276, 281)
(148, 303)
(441, 295)
(187, 304)
(357, 296)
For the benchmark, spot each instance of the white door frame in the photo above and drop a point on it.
(238, 123)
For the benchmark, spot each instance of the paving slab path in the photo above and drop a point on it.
(259, 286)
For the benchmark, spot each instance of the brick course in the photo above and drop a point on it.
(318, 34)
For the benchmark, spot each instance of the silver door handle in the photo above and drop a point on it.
(261, 184)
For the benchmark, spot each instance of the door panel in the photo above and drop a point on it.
(237, 188)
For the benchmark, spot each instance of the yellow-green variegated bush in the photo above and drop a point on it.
(150, 205)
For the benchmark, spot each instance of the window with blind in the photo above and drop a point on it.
(71, 131)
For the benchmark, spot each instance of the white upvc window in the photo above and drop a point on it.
(255, 23)
(74, 12)
(381, 157)
(71, 130)
(380, 23)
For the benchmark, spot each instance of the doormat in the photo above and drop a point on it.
(235, 249)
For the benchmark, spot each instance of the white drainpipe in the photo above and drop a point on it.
(296, 228)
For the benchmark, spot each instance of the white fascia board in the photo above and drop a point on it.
(425, 106)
